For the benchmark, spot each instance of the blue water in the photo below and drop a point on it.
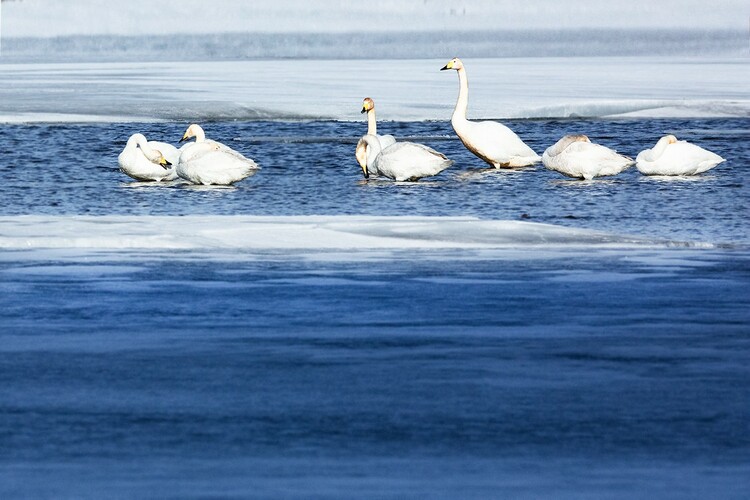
(309, 168)
(531, 373)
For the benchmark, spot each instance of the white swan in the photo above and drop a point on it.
(673, 157)
(210, 162)
(368, 106)
(493, 142)
(401, 161)
(576, 156)
(148, 160)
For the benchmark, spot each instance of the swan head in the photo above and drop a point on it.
(361, 154)
(367, 105)
(155, 156)
(666, 141)
(163, 162)
(193, 130)
(454, 63)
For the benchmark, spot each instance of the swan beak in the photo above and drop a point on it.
(164, 163)
(447, 66)
(365, 172)
(184, 138)
(364, 110)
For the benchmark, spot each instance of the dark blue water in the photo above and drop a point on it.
(532, 373)
(616, 375)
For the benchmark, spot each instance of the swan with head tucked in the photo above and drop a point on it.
(148, 160)
(672, 157)
(210, 162)
(368, 106)
(493, 142)
(576, 156)
(401, 161)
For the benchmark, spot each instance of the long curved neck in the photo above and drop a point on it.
(372, 124)
(200, 135)
(142, 143)
(463, 96)
(658, 150)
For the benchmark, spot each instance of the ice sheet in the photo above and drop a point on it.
(294, 235)
(404, 89)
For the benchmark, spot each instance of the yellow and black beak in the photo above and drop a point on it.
(184, 138)
(365, 172)
(164, 163)
(447, 66)
(364, 109)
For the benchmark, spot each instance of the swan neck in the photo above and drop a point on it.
(463, 96)
(142, 143)
(374, 150)
(200, 136)
(372, 124)
(658, 150)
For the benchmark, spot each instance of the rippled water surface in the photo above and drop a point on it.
(309, 168)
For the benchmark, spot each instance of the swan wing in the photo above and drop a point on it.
(407, 160)
(207, 163)
(680, 158)
(585, 160)
(496, 144)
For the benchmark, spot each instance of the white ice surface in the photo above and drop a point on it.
(295, 235)
(403, 89)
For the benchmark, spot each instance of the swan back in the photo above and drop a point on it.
(576, 156)
(403, 161)
(495, 143)
(673, 157)
(210, 162)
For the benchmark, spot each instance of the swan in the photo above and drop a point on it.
(401, 161)
(576, 156)
(210, 162)
(493, 142)
(368, 106)
(148, 160)
(673, 157)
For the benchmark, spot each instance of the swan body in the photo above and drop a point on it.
(210, 162)
(672, 157)
(368, 106)
(576, 156)
(402, 161)
(491, 141)
(148, 160)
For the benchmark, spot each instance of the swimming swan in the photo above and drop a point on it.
(368, 106)
(673, 157)
(576, 156)
(148, 160)
(210, 162)
(493, 142)
(401, 161)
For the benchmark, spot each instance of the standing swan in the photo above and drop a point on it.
(148, 160)
(576, 156)
(368, 106)
(401, 161)
(491, 141)
(209, 162)
(673, 157)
